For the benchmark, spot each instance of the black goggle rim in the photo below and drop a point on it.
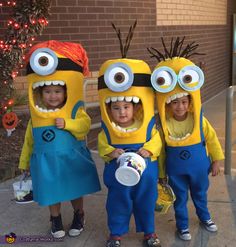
(63, 64)
(140, 80)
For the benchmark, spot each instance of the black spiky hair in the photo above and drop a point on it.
(124, 48)
(176, 50)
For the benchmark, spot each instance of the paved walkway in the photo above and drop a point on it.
(31, 222)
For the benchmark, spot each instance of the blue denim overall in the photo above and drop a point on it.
(139, 199)
(188, 168)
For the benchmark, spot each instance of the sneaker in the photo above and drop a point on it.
(151, 240)
(184, 234)
(28, 198)
(57, 230)
(77, 225)
(210, 225)
(113, 241)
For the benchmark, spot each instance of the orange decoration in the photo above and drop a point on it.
(10, 120)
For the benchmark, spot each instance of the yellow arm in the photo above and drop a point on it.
(79, 127)
(212, 142)
(27, 149)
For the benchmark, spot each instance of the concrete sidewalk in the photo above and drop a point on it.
(30, 221)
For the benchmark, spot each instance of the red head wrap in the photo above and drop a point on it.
(73, 51)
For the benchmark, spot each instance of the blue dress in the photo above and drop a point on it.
(61, 166)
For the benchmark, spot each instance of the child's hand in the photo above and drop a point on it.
(144, 153)
(60, 123)
(215, 168)
(116, 153)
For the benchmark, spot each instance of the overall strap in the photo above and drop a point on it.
(79, 104)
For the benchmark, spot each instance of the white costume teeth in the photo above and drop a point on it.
(179, 138)
(40, 109)
(176, 96)
(122, 129)
(134, 99)
(47, 83)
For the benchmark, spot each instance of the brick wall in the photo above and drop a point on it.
(89, 22)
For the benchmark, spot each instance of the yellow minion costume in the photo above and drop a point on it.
(128, 80)
(191, 145)
(60, 163)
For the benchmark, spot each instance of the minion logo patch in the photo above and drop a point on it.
(48, 135)
(184, 155)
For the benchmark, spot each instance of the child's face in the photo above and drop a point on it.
(180, 107)
(122, 113)
(53, 96)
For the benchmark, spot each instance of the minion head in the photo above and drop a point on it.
(176, 76)
(126, 80)
(56, 63)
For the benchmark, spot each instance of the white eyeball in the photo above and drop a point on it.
(118, 77)
(163, 79)
(191, 78)
(43, 61)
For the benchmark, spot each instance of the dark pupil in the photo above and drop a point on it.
(43, 61)
(160, 81)
(187, 79)
(119, 77)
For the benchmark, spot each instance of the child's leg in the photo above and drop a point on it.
(198, 190)
(57, 230)
(77, 225)
(55, 209)
(145, 196)
(78, 204)
(180, 185)
(119, 202)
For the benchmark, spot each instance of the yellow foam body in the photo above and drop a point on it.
(74, 84)
(177, 64)
(145, 94)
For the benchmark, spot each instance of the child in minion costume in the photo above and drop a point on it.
(59, 161)
(189, 157)
(129, 80)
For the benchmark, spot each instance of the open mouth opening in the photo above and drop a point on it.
(49, 96)
(179, 116)
(125, 112)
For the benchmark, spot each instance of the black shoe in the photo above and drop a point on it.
(28, 198)
(113, 242)
(184, 234)
(57, 230)
(77, 225)
(151, 240)
(210, 225)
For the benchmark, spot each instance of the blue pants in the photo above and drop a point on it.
(188, 168)
(140, 200)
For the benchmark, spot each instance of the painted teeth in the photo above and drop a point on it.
(179, 138)
(134, 99)
(45, 110)
(48, 83)
(176, 96)
(122, 129)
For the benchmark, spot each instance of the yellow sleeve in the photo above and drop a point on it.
(80, 126)
(103, 147)
(212, 142)
(154, 144)
(27, 149)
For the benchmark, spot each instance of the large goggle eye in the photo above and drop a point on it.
(43, 61)
(119, 77)
(163, 79)
(191, 78)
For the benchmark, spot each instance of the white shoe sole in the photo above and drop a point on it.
(75, 232)
(58, 234)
